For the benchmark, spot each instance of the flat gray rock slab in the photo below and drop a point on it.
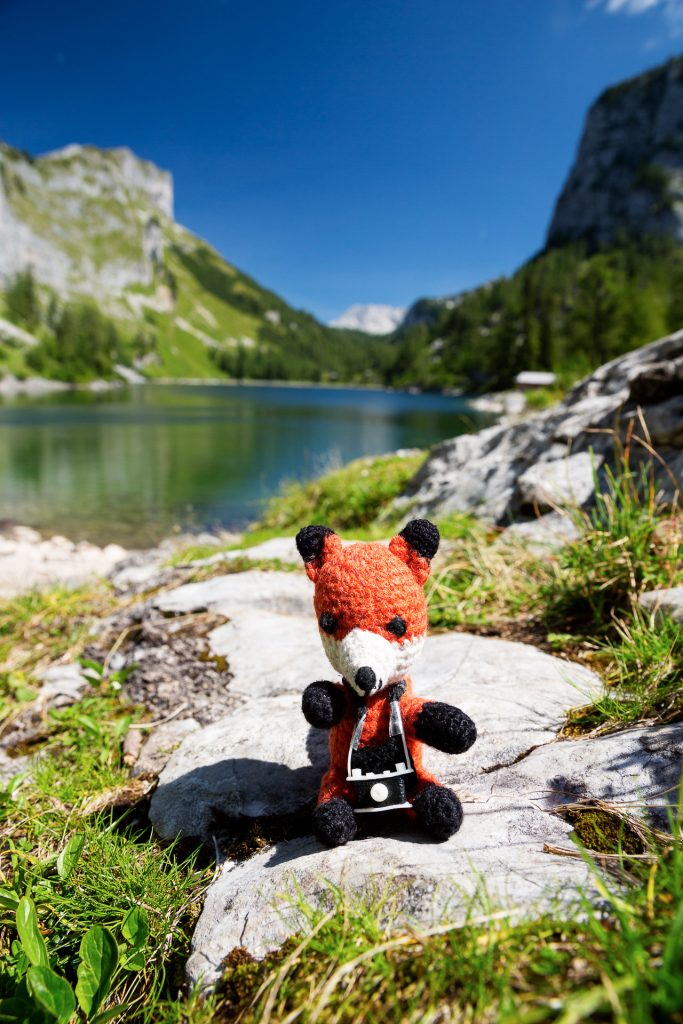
(264, 759)
(160, 744)
(269, 653)
(285, 593)
(500, 847)
(282, 549)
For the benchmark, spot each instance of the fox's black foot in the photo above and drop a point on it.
(439, 811)
(334, 822)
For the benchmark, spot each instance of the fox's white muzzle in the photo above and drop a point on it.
(361, 648)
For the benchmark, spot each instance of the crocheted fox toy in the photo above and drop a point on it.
(372, 617)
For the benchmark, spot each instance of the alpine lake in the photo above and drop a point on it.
(132, 465)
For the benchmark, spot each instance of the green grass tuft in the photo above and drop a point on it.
(350, 498)
(622, 550)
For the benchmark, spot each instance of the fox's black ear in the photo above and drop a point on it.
(422, 536)
(310, 540)
(316, 544)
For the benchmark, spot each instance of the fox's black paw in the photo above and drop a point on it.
(444, 727)
(323, 704)
(439, 811)
(334, 822)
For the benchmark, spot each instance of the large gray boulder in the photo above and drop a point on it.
(499, 853)
(567, 481)
(260, 763)
(502, 472)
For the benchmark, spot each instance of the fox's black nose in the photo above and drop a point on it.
(365, 679)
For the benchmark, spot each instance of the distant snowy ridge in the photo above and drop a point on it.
(373, 319)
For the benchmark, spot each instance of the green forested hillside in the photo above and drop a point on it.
(212, 322)
(567, 310)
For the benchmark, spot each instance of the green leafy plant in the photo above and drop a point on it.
(41, 993)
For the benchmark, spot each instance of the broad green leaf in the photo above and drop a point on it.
(99, 957)
(52, 993)
(135, 927)
(113, 1011)
(68, 858)
(136, 961)
(8, 899)
(31, 939)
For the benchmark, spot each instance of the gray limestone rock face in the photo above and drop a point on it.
(510, 815)
(498, 472)
(664, 603)
(55, 196)
(628, 173)
(563, 482)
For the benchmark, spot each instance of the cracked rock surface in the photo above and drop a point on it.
(260, 760)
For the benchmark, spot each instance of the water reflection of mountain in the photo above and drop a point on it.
(130, 465)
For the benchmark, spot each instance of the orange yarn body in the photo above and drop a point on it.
(375, 732)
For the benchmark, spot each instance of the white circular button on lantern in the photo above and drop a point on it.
(379, 792)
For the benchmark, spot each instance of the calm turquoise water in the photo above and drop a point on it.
(129, 466)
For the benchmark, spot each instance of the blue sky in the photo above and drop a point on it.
(339, 151)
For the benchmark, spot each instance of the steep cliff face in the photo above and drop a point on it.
(87, 221)
(628, 174)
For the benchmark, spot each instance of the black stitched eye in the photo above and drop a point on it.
(327, 622)
(397, 626)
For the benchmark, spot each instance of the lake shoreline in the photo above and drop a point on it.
(11, 386)
(252, 382)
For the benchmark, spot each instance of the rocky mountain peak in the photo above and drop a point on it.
(373, 318)
(628, 174)
(112, 167)
(86, 220)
